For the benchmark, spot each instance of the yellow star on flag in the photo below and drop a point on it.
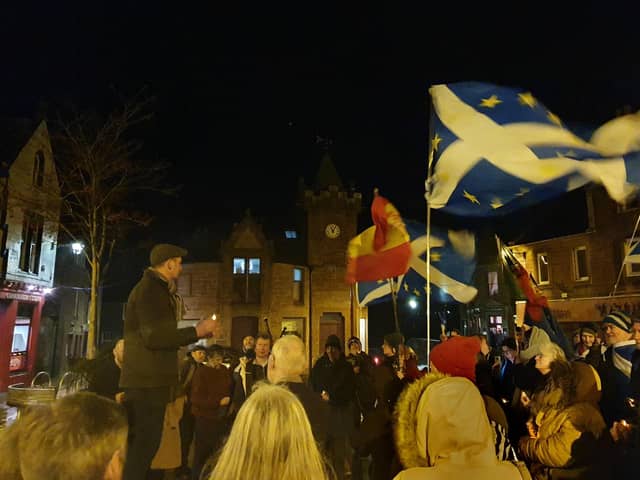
(470, 197)
(416, 292)
(522, 192)
(436, 142)
(527, 99)
(405, 286)
(427, 289)
(554, 118)
(490, 102)
(435, 257)
(496, 203)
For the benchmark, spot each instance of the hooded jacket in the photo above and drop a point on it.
(442, 432)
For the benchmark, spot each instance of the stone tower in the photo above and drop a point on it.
(332, 220)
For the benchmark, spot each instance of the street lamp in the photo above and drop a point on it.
(77, 248)
(413, 303)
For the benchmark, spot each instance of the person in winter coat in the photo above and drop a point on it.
(563, 433)
(442, 431)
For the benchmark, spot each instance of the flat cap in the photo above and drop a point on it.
(163, 252)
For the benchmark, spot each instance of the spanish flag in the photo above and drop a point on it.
(381, 251)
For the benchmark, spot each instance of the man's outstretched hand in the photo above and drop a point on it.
(209, 327)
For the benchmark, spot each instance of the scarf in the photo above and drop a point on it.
(621, 356)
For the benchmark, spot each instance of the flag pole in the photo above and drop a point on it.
(394, 298)
(428, 255)
(624, 260)
(428, 283)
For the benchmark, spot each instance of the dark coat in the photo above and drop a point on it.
(208, 387)
(337, 379)
(151, 335)
(317, 410)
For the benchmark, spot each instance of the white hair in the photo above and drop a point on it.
(290, 357)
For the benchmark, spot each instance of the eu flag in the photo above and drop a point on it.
(496, 149)
(452, 267)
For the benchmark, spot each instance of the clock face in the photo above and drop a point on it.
(332, 230)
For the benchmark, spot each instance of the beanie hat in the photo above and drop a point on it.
(394, 340)
(333, 341)
(163, 252)
(509, 342)
(589, 329)
(457, 356)
(353, 340)
(620, 320)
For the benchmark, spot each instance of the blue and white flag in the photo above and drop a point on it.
(452, 266)
(495, 149)
(633, 255)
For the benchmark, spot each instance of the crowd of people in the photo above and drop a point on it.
(530, 409)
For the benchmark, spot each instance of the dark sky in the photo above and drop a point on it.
(242, 95)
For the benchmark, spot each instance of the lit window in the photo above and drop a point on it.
(298, 286)
(238, 266)
(580, 263)
(632, 262)
(543, 268)
(291, 234)
(254, 266)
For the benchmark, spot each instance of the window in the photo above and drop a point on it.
(543, 268)
(580, 264)
(238, 266)
(254, 266)
(298, 286)
(290, 234)
(632, 262)
(38, 169)
(21, 336)
(246, 280)
(492, 281)
(32, 227)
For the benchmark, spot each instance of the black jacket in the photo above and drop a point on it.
(152, 336)
(337, 379)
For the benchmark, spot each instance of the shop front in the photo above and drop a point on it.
(19, 330)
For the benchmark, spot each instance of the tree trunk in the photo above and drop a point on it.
(93, 310)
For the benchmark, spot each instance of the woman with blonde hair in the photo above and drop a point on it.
(271, 439)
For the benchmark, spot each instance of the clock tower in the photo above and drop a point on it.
(332, 220)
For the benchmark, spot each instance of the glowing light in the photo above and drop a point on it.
(47, 290)
(77, 248)
(413, 304)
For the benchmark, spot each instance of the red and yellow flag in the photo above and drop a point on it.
(381, 251)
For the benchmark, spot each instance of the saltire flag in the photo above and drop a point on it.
(381, 251)
(494, 150)
(452, 263)
(537, 311)
(633, 255)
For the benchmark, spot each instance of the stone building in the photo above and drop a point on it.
(287, 277)
(583, 274)
(29, 220)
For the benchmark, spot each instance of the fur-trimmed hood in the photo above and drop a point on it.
(441, 419)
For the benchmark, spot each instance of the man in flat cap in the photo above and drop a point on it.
(149, 373)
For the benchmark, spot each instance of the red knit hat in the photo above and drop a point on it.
(457, 356)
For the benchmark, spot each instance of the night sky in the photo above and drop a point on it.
(241, 96)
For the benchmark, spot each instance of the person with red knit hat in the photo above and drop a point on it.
(458, 357)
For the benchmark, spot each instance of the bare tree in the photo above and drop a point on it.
(100, 178)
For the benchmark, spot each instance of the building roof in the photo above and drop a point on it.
(14, 135)
(327, 174)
